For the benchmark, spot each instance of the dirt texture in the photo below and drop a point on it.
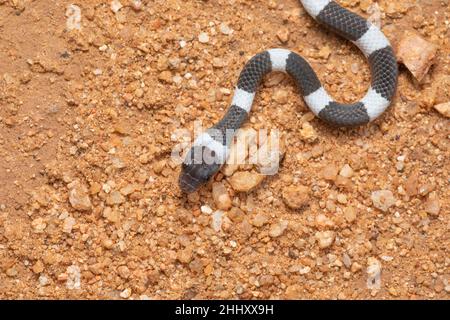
(89, 202)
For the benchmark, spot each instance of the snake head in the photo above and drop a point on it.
(200, 165)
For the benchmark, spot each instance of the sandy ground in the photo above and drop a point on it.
(89, 205)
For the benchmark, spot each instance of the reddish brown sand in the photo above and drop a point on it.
(89, 114)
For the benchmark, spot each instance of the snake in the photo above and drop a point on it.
(211, 148)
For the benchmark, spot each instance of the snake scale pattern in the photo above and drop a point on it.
(210, 150)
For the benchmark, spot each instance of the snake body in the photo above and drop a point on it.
(210, 149)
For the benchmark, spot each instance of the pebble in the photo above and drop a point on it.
(296, 196)
(111, 215)
(217, 63)
(79, 197)
(375, 14)
(116, 6)
(342, 198)
(236, 214)
(124, 272)
(325, 52)
(308, 133)
(203, 37)
(217, 220)
(325, 238)
(38, 225)
(115, 198)
(73, 14)
(206, 209)
(185, 255)
(125, 294)
(322, 221)
(11, 272)
(350, 214)
(383, 199)
(280, 96)
(43, 280)
(220, 196)
(244, 181)
(38, 267)
(69, 222)
(416, 54)
(347, 260)
(356, 267)
(165, 76)
(373, 274)
(346, 171)
(330, 172)
(283, 35)
(277, 229)
(136, 5)
(260, 219)
(433, 206)
(443, 109)
(225, 29)
(73, 277)
(128, 189)
(294, 292)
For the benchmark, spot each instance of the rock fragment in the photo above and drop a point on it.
(217, 220)
(245, 181)
(73, 14)
(373, 274)
(443, 109)
(283, 35)
(220, 196)
(203, 37)
(325, 238)
(277, 229)
(383, 199)
(73, 277)
(417, 54)
(432, 205)
(79, 197)
(116, 6)
(296, 196)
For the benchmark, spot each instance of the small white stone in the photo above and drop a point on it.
(177, 79)
(373, 274)
(225, 29)
(97, 72)
(383, 199)
(69, 222)
(106, 187)
(136, 4)
(203, 37)
(325, 239)
(217, 220)
(278, 229)
(116, 6)
(43, 280)
(125, 294)
(73, 14)
(206, 209)
(183, 43)
(73, 277)
(346, 171)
